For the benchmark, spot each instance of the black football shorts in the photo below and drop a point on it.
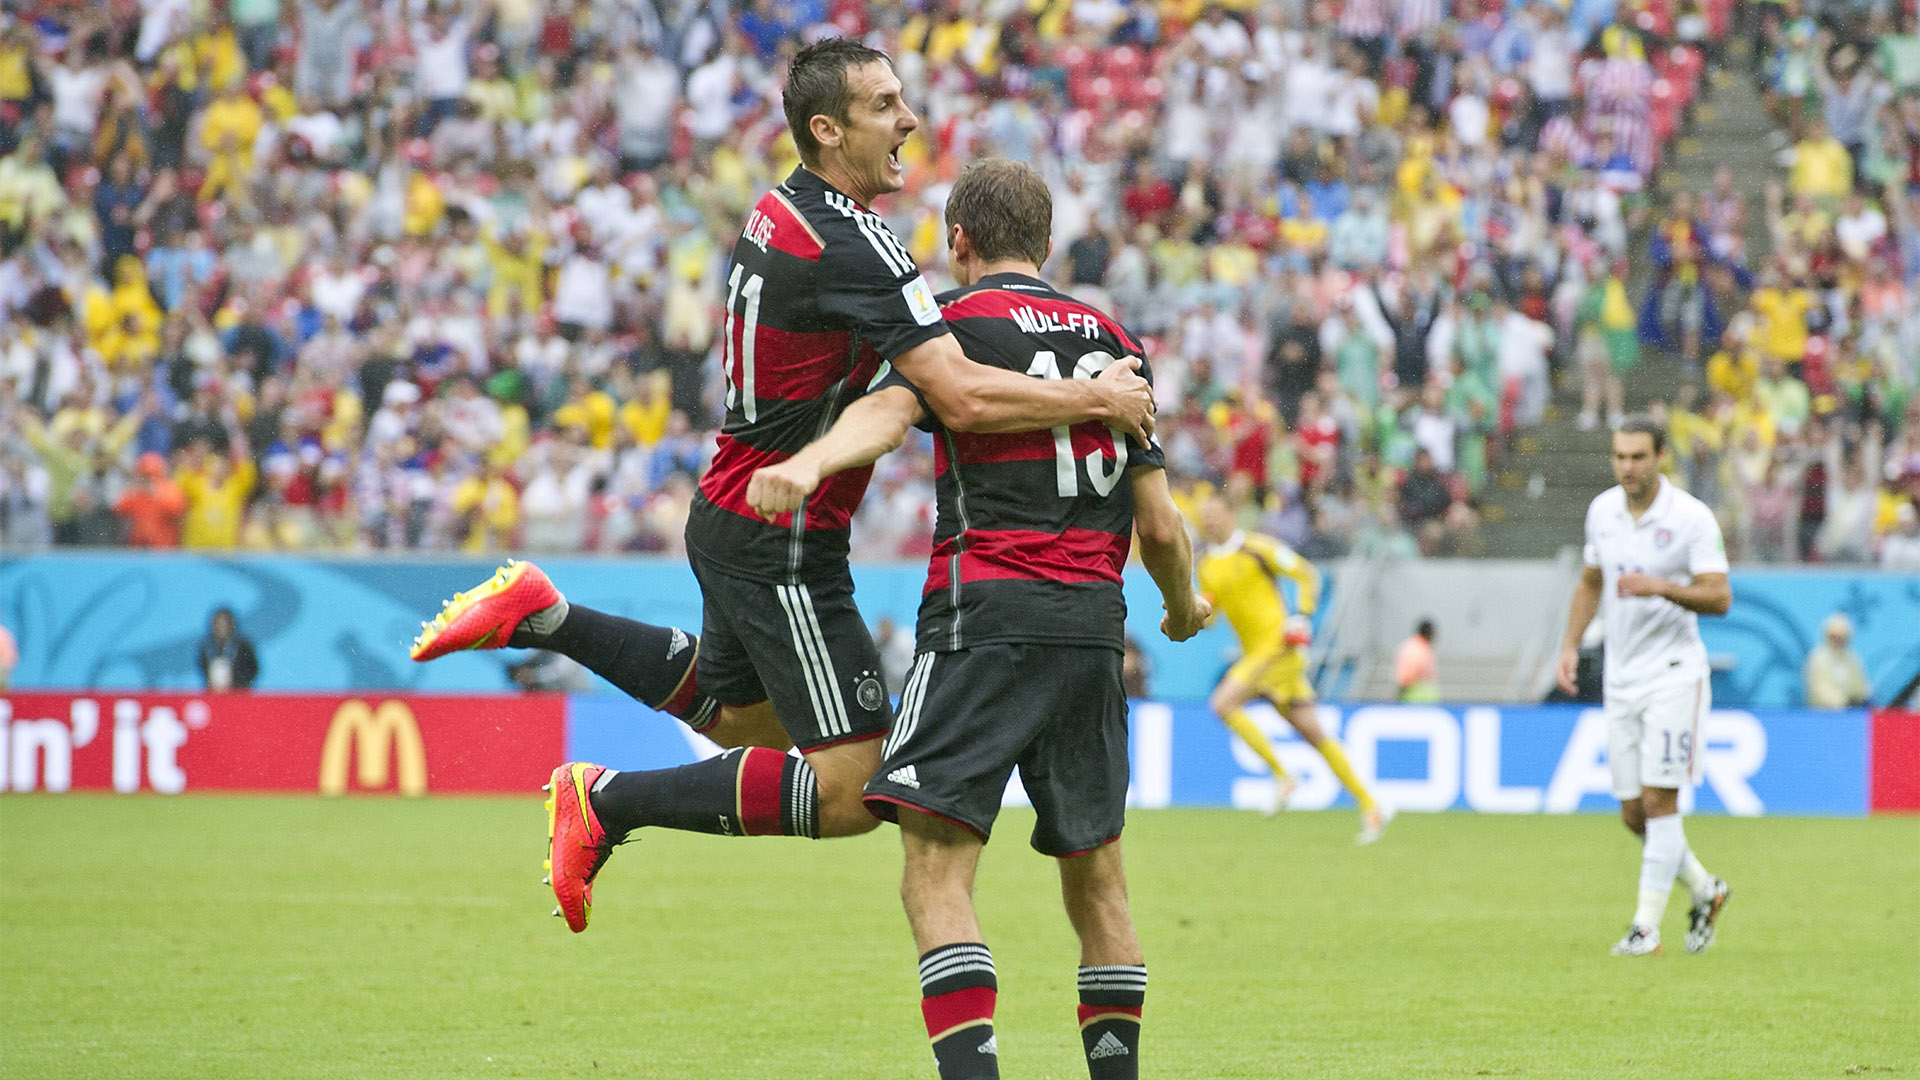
(969, 718)
(802, 646)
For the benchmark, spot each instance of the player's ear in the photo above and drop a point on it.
(825, 129)
(960, 243)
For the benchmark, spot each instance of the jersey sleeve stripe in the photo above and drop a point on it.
(889, 249)
(886, 236)
(799, 220)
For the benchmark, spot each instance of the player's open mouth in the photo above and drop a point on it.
(893, 158)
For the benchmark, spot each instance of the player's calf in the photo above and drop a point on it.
(751, 791)
(1112, 977)
(958, 985)
(654, 665)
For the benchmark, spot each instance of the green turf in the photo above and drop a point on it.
(286, 938)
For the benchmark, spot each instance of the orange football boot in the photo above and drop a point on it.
(577, 844)
(486, 617)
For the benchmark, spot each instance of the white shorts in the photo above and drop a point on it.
(1652, 736)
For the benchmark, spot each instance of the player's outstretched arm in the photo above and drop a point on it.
(1586, 601)
(1707, 594)
(975, 397)
(870, 428)
(1168, 554)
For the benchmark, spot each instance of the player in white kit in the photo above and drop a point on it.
(1655, 563)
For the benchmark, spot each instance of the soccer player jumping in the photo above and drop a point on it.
(1021, 627)
(1655, 563)
(820, 295)
(1240, 574)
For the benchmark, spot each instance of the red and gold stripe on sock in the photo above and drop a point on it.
(957, 1010)
(756, 791)
(1094, 1014)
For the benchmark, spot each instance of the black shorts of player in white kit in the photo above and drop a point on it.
(1022, 621)
(819, 295)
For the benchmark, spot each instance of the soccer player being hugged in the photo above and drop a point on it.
(819, 296)
(1240, 574)
(1655, 563)
(1021, 631)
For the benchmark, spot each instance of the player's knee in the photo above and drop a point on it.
(840, 809)
(1659, 802)
(1633, 818)
(852, 821)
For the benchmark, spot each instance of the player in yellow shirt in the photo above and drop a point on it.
(1240, 574)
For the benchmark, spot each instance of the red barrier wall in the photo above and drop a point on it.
(279, 742)
(1893, 753)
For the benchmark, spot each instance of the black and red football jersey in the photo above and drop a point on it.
(1034, 528)
(819, 294)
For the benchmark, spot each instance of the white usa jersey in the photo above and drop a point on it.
(1651, 640)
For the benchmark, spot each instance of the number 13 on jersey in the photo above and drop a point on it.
(1100, 473)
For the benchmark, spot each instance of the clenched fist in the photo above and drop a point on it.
(777, 489)
(1181, 625)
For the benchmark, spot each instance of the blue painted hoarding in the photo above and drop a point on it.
(1489, 759)
(132, 621)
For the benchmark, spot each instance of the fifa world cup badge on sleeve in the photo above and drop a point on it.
(920, 301)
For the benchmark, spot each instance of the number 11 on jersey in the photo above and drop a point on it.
(742, 390)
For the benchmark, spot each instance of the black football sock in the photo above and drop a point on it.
(958, 990)
(1111, 997)
(651, 664)
(751, 791)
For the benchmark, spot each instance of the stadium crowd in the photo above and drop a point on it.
(1801, 429)
(447, 274)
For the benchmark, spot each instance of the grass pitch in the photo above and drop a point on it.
(292, 938)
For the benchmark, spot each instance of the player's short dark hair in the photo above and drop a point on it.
(1642, 424)
(1005, 208)
(1424, 628)
(817, 86)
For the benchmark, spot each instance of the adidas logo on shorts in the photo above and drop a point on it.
(1107, 1047)
(905, 777)
(677, 643)
(992, 1046)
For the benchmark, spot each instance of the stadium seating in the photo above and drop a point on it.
(348, 299)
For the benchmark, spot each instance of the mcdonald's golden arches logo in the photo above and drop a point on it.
(381, 736)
